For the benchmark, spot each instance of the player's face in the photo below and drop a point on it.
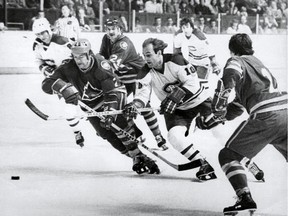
(113, 32)
(153, 60)
(82, 60)
(187, 29)
(44, 36)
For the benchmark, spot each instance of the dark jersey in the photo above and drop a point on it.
(255, 86)
(96, 86)
(125, 60)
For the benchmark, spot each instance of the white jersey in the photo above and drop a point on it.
(67, 27)
(52, 54)
(176, 72)
(195, 49)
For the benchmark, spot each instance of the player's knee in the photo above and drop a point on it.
(176, 137)
(226, 155)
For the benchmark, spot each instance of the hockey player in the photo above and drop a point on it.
(120, 50)
(176, 84)
(89, 78)
(194, 46)
(50, 51)
(256, 90)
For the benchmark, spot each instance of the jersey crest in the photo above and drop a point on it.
(91, 93)
(105, 65)
(123, 45)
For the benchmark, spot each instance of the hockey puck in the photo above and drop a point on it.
(15, 177)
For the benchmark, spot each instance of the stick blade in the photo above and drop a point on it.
(34, 109)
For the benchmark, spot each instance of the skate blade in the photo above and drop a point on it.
(248, 212)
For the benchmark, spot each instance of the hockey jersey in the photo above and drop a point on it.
(96, 87)
(123, 56)
(195, 48)
(67, 27)
(255, 87)
(176, 71)
(54, 53)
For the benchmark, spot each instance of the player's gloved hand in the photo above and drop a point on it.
(206, 123)
(220, 99)
(130, 111)
(170, 103)
(48, 70)
(107, 122)
(67, 91)
(215, 68)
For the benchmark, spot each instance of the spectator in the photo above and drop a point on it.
(202, 9)
(84, 22)
(223, 7)
(138, 5)
(157, 26)
(67, 25)
(32, 3)
(167, 6)
(124, 22)
(243, 11)
(175, 6)
(119, 5)
(275, 11)
(191, 5)
(284, 9)
(39, 15)
(233, 28)
(89, 12)
(243, 27)
(183, 7)
(213, 28)
(213, 6)
(202, 26)
(95, 5)
(138, 27)
(232, 9)
(151, 6)
(170, 27)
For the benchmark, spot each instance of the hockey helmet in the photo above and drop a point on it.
(41, 25)
(81, 46)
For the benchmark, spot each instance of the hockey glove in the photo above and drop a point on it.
(215, 66)
(130, 111)
(220, 99)
(67, 91)
(206, 123)
(169, 104)
(107, 122)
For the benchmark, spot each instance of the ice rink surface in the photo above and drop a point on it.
(58, 178)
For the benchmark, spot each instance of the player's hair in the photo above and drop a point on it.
(185, 21)
(241, 44)
(156, 43)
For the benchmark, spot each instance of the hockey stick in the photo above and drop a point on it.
(179, 167)
(46, 117)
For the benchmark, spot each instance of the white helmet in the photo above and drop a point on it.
(40, 25)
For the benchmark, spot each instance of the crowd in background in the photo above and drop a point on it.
(206, 12)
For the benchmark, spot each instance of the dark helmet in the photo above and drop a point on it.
(114, 22)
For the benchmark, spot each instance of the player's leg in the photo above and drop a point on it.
(178, 125)
(150, 119)
(70, 112)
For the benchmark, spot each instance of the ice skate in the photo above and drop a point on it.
(79, 138)
(161, 142)
(144, 164)
(255, 170)
(244, 203)
(206, 172)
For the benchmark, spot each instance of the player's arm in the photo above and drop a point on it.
(142, 95)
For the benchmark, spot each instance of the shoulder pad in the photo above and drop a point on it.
(59, 39)
(143, 72)
(199, 34)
